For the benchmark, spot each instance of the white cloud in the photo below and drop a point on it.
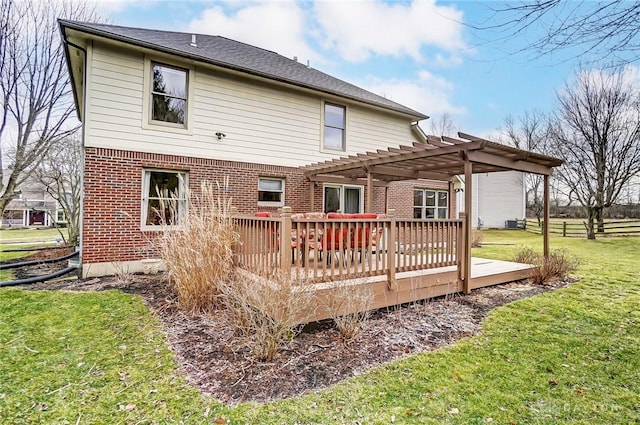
(360, 29)
(449, 61)
(276, 26)
(427, 93)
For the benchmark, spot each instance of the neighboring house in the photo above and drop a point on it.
(498, 199)
(32, 207)
(162, 111)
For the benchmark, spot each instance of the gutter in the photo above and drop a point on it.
(66, 43)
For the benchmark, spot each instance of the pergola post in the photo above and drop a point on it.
(312, 192)
(368, 207)
(545, 222)
(468, 207)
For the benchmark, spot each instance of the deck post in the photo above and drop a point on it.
(285, 241)
(545, 223)
(391, 251)
(312, 193)
(460, 248)
(468, 206)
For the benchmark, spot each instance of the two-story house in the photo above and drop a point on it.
(165, 109)
(33, 206)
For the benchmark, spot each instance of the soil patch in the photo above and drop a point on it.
(42, 268)
(218, 362)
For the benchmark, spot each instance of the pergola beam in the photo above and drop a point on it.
(408, 174)
(395, 155)
(508, 163)
(319, 178)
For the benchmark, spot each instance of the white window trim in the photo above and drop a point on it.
(342, 187)
(345, 138)
(423, 207)
(144, 205)
(147, 122)
(270, 203)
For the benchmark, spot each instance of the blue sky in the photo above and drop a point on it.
(422, 54)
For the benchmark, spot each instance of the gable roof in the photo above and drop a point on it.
(237, 56)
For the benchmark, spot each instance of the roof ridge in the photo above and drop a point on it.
(87, 23)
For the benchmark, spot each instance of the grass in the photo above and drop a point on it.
(23, 238)
(12, 236)
(571, 357)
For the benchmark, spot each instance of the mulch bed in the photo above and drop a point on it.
(40, 269)
(218, 362)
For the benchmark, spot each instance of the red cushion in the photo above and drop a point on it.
(262, 214)
(364, 216)
(334, 216)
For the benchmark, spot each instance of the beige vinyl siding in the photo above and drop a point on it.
(368, 131)
(500, 197)
(263, 122)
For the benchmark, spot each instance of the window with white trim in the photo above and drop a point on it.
(163, 197)
(334, 127)
(61, 217)
(428, 203)
(344, 198)
(270, 191)
(169, 88)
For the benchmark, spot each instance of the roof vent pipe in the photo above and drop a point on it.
(193, 41)
(295, 58)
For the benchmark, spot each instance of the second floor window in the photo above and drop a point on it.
(168, 94)
(334, 127)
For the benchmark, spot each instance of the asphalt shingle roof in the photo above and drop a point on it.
(239, 56)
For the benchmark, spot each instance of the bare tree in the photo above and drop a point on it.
(35, 93)
(597, 133)
(60, 172)
(604, 30)
(529, 132)
(443, 126)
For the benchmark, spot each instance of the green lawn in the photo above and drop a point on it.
(24, 238)
(569, 356)
(18, 236)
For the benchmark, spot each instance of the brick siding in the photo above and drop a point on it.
(113, 185)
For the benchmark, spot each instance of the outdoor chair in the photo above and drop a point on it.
(362, 234)
(336, 239)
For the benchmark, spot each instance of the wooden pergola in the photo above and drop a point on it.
(441, 158)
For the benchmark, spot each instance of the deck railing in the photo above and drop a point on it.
(328, 249)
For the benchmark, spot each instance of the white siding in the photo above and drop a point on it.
(498, 197)
(263, 123)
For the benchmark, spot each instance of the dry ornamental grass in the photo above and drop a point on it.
(198, 254)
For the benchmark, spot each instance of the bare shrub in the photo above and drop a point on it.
(349, 305)
(476, 238)
(122, 272)
(268, 312)
(198, 253)
(558, 266)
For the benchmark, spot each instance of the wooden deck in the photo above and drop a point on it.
(386, 261)
(410, 286)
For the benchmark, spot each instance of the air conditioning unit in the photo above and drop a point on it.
(511, 224)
